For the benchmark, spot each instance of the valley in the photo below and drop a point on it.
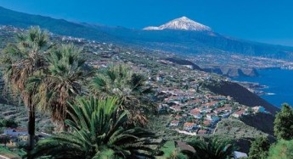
(188, 68)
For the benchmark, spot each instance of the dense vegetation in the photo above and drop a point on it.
(283, 147)
(259, 148)
(54, 79)
(284, 123)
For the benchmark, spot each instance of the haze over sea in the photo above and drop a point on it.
(279, 82)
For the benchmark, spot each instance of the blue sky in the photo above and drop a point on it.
(268, 21)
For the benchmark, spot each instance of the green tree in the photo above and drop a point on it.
(283, 124)
(211, 148)
(20, 61)
(259, 148)
(61, 82)
(170, 151)
(96, 131)
(283, 149)
(129, 87)
(249, 110)
(9, 123)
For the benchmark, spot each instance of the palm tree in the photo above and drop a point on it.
(61, 82)
(22, 60)
(212, 148)
(129, 87)
(96, 131)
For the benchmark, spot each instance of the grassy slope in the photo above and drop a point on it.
(7, 153)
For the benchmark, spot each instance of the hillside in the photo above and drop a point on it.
(57, 26)
(184, 62)
(261, 121)
(240, 94)
(178, 93)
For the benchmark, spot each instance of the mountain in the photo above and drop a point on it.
(185, 36)
(201, 42)
(180, 36)
(182, 23)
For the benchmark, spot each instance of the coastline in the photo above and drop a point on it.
(272, 84)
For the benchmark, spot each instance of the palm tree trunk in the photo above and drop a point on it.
(31, 129)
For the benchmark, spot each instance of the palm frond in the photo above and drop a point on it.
(62, 81)
(129, 87)
(211, 148)
(96, 130)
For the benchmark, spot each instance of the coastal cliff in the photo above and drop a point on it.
(240, 94)
(261, 121)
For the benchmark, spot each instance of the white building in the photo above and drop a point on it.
(174, 123)
(239, 155)
(15, 131)
(259, 109)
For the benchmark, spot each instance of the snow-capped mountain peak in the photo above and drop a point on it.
(182, 23)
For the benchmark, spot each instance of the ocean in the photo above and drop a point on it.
(279, 84)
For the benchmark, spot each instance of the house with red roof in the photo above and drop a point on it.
(238, 114)
(188, 126)
(196, 113)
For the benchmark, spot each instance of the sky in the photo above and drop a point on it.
(269, 21)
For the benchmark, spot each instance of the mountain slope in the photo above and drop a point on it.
(191, 37)
(169, 38)
(195, 42)
(57, 26)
